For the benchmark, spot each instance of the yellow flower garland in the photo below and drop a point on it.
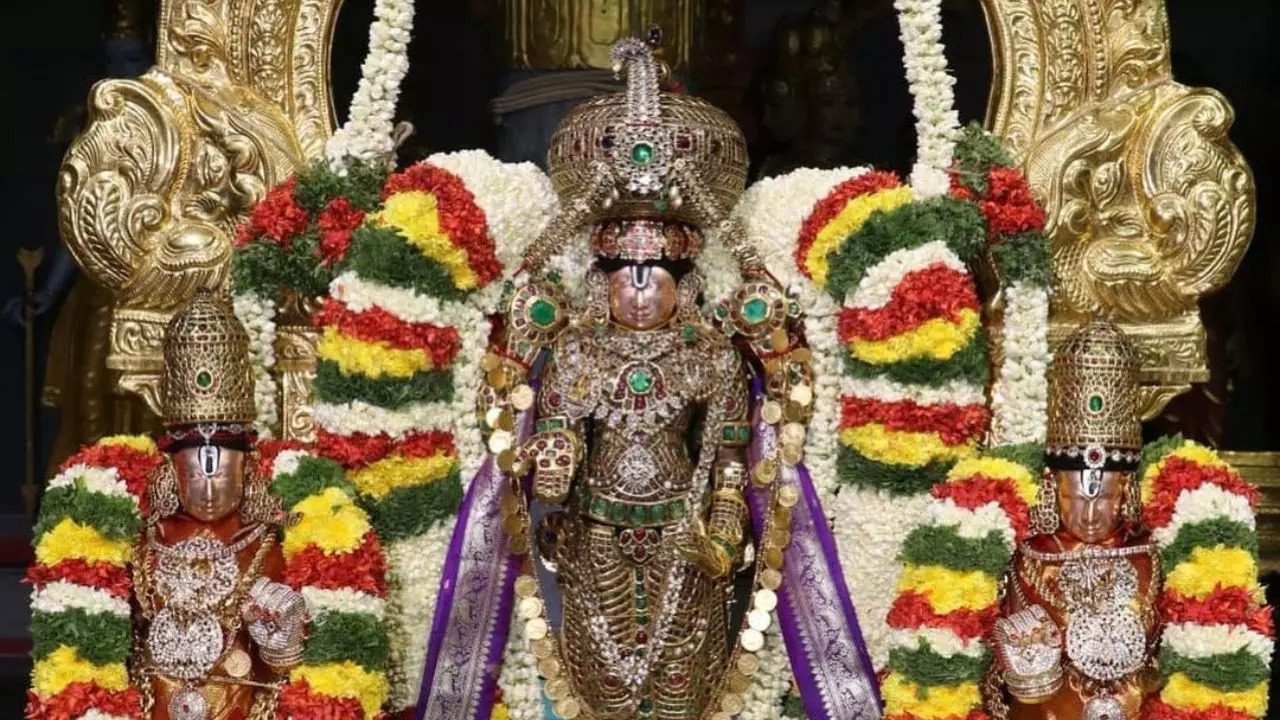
(1207, 568)
(330, 520)
(1182, 692)
(141, 443)
(69, 540)
(380, 478)
(416, 215)
(371, 359)
(64, 666)
(914, 449)
(851, 218)
(345, 680)
(936, 339)
(901, 696)
(949, 590)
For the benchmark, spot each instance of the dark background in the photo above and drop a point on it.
(53, 51)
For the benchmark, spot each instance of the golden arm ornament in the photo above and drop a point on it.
(1150, 205)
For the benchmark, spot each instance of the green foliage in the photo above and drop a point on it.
(977, 152)
(852, 468)
(928, 669)
(265, 267)
(407, 512)
(100, 638)
(336, 387)
(1208, 534)
(942, 545)
(116, 518)
(337, 637)
(313, 476)
(382, 255)
(1024, 258)
(970, 364)
(318, 185)
(1227, 672)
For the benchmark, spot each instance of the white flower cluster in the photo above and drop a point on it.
(99, 715)
(1020, 395)
(257, 314)
(1196, 641)
(774, 210)
(872, 527)
(975, 524)
(719, 269)
(822, 442)
(61, 596)
(94, 479)
(571, 264)
(367, 132)
(414, 568)
(771, 682)
(1207, 502)
(877, 286)
(321, 601)
(521, 688)
(930, 82)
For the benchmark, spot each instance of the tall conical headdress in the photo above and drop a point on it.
(1093, 401)
(207, 376)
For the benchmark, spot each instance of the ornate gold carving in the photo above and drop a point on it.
(579, 34)
(1150, 204)
(150, 194)
(296, 365)
(1263, 469)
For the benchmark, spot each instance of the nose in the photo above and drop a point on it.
(1090, 511)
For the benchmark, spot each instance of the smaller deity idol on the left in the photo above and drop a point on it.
(217, 632)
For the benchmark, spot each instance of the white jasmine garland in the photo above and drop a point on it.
(1020, 395)
(367, 134)
(822, 441)
(99, 715)
(942, 641)
(770, 683)
(257, 314)
(61, 596)
(286, 463)
(571, 264)
(518, 679)
(104, 481)
(719, 270)
(344, 600)
(973, 524)
(877, 286)
(883, 389)
(1195, 641)
(414, 567)
(930, 83)
(1207, 502)
(872, 526)
(359, 416)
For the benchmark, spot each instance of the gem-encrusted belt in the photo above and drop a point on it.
(615, 512)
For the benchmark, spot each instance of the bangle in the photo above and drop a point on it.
(726, 545)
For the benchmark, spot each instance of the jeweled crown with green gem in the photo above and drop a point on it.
(207, 376)
(1094, 397)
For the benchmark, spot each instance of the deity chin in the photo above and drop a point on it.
(210, 481)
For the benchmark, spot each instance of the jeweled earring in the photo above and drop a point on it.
(687, 292)
(258, 505)
(1044, 514)
(1132, 507)
(162, 492)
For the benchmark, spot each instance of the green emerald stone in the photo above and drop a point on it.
(1095, 403)
(744, 433)
(542, 313)
(640, 381)
(617, 512)
(677, 510)
(755, 311)
(598, 507)
(638, 515)
(204, 379)
(659, 513)
(642, 619)
(642, 153)
(688, 332)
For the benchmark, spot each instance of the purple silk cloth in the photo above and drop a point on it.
(815, 613)
(473, 607)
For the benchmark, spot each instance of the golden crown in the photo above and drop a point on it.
(207, 376)
(1093, 400)
(641, 135)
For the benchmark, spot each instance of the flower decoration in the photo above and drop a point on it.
(81, 624)
(334, 559)
(1215, 654)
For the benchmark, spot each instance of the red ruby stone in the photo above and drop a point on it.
(612, 681)
(642, 636)
(640, 552)
(675, 680)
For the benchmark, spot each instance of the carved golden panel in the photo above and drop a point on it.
(1150, 204)
(579, 34)
(1263, 469)
(150, 193)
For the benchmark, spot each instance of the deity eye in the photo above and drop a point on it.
(210, 457)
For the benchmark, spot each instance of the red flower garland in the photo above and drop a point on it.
(833, 204)
(378, 325)
(1180, 474)
(933, 292)
(912, 610)
(78, 698)
(298, 700)
(358, 450)
(133, 466)
(361, 569)
(109, 578)
(460, 217)
(278, 217)
(974, 492)
(955, 424)
(1009, 206)
(1226, 606)
(337, 222)
(1156, 709)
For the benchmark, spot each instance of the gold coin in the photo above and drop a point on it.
(526, 586)
(568, 708)
(733, 704)
(793, 433)
(490, 362)
(522, 397)
(791, 454)
(803, 355)
(508, 504)
(770, 579)
(491, 416)
(556, 689)
(497, 378)
(788, 495)
(506, 421)
(549, 668)
(794, 412)
(779, 537)
(782, 517)
(802, 395)
(771, 412)
(765, 599)
(773, 558)
(759, 620)
(736, 682)
(780, 340)
(765, 471)
(500, 440)
(542, 649)
(518, 545)
(748, 664)
(238, 664)
(535, 629)
(530, 608)
(507, 460)
(752, 640)
(513, 524)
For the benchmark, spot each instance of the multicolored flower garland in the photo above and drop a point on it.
(333, 558)
(81, 625)
(1215, 655)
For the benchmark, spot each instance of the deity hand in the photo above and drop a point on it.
(1029, 646)
(277, 618)
(554, 456)
(708, 553)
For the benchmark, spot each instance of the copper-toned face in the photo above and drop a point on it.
(210, 481)
(641, 297)
(1091, 503)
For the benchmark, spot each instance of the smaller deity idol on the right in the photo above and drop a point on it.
(1078, 631)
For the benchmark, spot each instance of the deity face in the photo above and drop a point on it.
(1090, 503)
(210, 481)
(641, 297)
